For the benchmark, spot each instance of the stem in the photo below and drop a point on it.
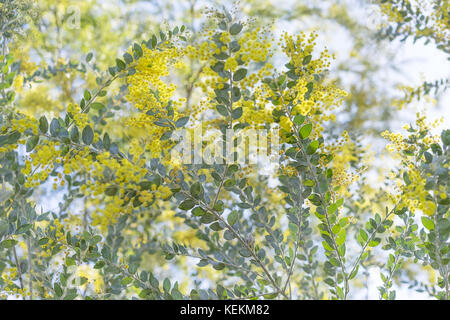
(297, 242)
(222, 180)
(321, 196)
(225, 263)
(30, 266)
(241, 240)
(19, 272)
(443, 269)
(85, 215)
(363, 250)
(94, 96)
(313, 282)
(257, 295)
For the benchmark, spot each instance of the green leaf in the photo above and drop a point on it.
(236, 113)
(126, 281)
(306, 59)
(293, 228)
(181, 122)
(233, 217)
(197, 211)
(89, 56)
(312, 147)
(87, 135)
(340, 239)
(222, 110)
(236, 94)
(106, 141)
(229, 183)
(216, 226)
(428, 223)
(235, 28)
(239, 74)
(97, 106)
(310, 87)
(219, 206)
(332, 208)
(162, 35)
(216, 176)
(196, 189)
(70, 262)
(31, 143)
(9, 243)
(374, 242)
(111, 190)
(154, 41)
(11, 138)
(166, 284)
(305, 130)
(222, 25)
(218, 67)
(443, 226)
(71, 294)
(299, 119)
(354, 273)
(138, 50)
(120, 64)
(87, 95)
(187, 204)
(233, 168)
(58, 291)
(24, 228)
(281, 80)
(112, 71)
(74, 134)
(228, 235)
(428, 157)
(406, 178)
(43, 124)
(363, 234)
(54, 127)
(127, 57)
(43, 241)
(445, 137)
(340, 292)
(245, 253)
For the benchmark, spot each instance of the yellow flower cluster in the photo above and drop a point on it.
(126, 176)
(41, 162)
(413, 194)
(59, 238)
(252, 48)
(23, 124)
(302, 48)
(400, 143)
(9, 276)
(308, 96)
(255, 46)
(434, 26)
(344, 152)
(80, 118)
(147, 90)
(153, 97)
(36, 100)
(92, 275)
